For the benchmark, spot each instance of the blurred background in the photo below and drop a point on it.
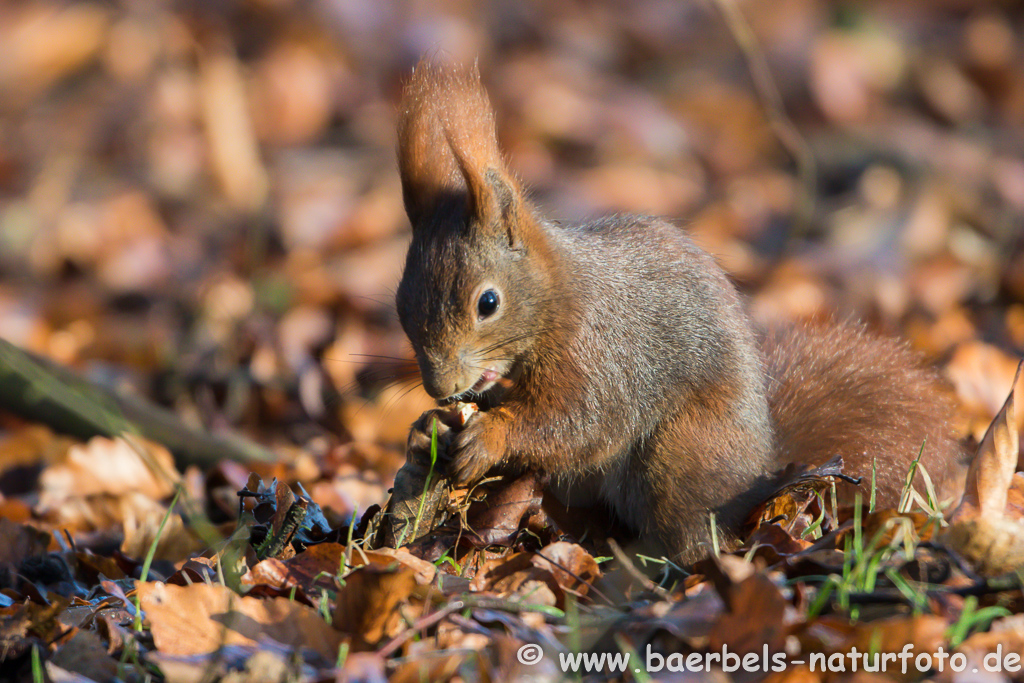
(199, 199)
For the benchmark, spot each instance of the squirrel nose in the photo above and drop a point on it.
(444, 374)
(438, 381)
(435, 388)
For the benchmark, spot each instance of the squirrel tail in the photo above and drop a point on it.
(839, 390)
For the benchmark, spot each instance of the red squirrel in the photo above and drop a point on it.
(617, 357)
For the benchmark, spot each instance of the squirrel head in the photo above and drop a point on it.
(474, 292)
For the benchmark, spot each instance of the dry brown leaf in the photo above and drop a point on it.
(326, 560)
(197, 619)
(231, 664)
(539, 578)
(995, 546)
(110, 466)
(292, 94)
(836, 636)
(793, 292)
(496, 519)
(424, 571)
(1004, 636)
(30, 445)
(20, 541)
(142, 518)
(438, 667)
(44, 43)
(885, 525)
(756, 611)
(772, 543)
(800, 673)
(234, 151)
(979, 528)
(982, 375)
(925, 632)
(992, 468)
(574, 568)
(86, 655)
(934, 338)
(269, 572)
(56, 674)
(369, 606)
(797, 501)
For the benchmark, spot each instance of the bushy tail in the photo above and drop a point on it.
(838, 390)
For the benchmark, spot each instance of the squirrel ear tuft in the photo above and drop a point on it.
(493, 198)
(448, 151)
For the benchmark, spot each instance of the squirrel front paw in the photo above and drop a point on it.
(420, 434)
(477, 448)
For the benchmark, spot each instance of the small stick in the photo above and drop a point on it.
(785, 130)
(631, 569)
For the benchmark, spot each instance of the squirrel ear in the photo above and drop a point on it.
(448, 153)
(492, 198)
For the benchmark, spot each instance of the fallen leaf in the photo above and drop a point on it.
(45, 43)
(369, 605)
(757, 614)
(889, 635)
(197, 619)
(143, 525)
(237, 663)
(982, 375)
(315, 566)
(574, 568)
(773, 543)
(497, 518)
(539, 578)
(978, 528)
(20, 541)
(424, 571)
(85, 654)
(109, 466)
(234, 151)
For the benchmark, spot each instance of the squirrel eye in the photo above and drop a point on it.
(487, 304)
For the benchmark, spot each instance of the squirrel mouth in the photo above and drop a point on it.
(486, 381)
(489, 377)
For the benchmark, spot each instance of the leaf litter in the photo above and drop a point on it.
(203, 210)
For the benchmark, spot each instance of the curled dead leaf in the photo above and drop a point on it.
(317, 565)
(540, 578)
(981, 528)
(424, 571)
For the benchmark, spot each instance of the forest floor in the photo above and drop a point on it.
(201, 229)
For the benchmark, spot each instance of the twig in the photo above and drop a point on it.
(43, 392)
(577, 577)
(631, 569)
(421, 624)
(984, 587)
(771, 99)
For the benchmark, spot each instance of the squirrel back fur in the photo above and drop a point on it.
(616, 355)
